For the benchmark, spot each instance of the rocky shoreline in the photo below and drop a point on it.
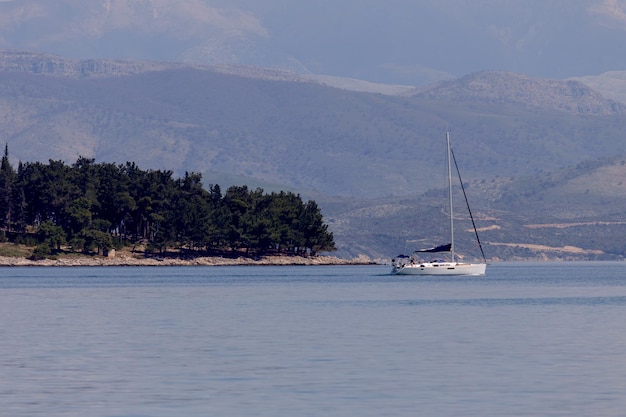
(131, 260)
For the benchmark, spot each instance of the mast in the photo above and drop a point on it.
(448, 160)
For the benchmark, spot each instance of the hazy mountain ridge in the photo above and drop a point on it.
(398, 42)
(192, 108)
(500, 87)
(21, 61)
(611, 84)
(29, 62)
(187, 30)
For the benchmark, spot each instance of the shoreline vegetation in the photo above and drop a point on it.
(21, 255)
(71, 214)
(127, 257)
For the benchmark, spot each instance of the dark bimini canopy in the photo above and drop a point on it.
(441, 248)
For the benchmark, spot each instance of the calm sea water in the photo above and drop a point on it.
(525, 340)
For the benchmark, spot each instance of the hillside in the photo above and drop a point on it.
(297, 134)
(502, 88)
(611, 84)
(349, 150)
(573, 213)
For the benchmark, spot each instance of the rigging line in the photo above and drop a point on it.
(467, 203)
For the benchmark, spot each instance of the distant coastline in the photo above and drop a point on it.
(127, 259)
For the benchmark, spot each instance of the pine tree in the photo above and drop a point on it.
(7, 179)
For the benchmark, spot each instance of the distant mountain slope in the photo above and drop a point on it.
(28, 62)
(600, 184)
(508, 88)
(611, 84)
(298, 133)
(13, 60)
(578, 212)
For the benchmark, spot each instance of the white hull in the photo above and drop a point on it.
(440, 268)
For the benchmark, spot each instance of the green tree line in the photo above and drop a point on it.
(90, 206)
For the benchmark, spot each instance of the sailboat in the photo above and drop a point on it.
(414, 265)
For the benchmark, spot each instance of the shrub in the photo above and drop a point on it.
(41, 251)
